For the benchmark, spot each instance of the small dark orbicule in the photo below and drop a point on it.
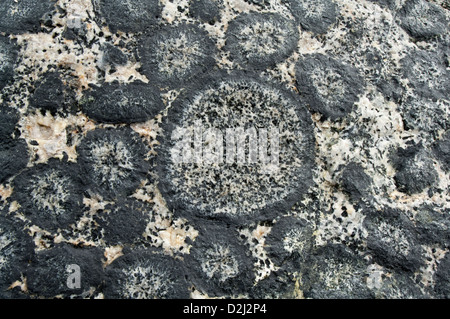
(49, 273)
(16, 249)
(50, 194)
(392, 239)
(414, 169)
(423, 19)
(261, 40)
(290, 241)
(206, 10)
(145, 274)
(130, 16)
(125, 222)
(113, 161)
(8, 59)
(329, 86)
(174, 55)
(335, 272)
(122, 103)
(314, 16)
(24, 15)
(231, 191)
(218, 262)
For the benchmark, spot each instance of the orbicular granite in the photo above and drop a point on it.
(347, 100)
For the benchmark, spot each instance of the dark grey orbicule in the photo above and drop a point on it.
(442, 277)
(355, 182)
(9, 118)
(124, 222)
(331, 107)
(414, 169)
(316, 25)
(129, 16)
(441, 150)
(8, 53)
(206, 10)
(275, 241)
(50, 94)
(348, 280)
(47, 274)
(423, 19)
(433, 227)
(385, 247)
(57, 177)
(14, 154)
(391, 4)
(98, 172)
(23, 16)
(427, 116)
(155, 263)
(226, 237)
(122, 102)
(284, 28)
(427, 73)
(418, 86)
(199, 62)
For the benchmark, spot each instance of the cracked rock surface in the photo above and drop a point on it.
(224, 149)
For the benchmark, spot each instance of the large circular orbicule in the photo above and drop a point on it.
(230, 114)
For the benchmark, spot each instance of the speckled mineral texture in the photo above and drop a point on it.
(224, 149)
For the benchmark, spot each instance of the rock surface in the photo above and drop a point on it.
(224, 149)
